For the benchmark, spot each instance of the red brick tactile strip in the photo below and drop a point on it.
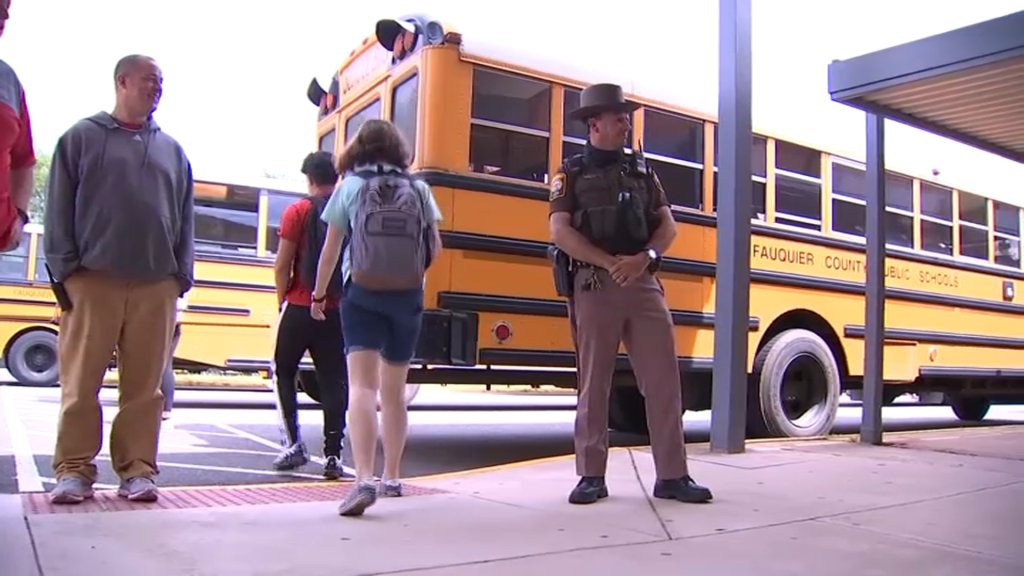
(207, 497)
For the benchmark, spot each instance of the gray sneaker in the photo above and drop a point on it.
(361, 497)
(138, 489)
(71, 490)
(292, 457)
(391, 488)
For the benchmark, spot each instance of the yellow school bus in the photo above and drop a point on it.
(488, 132)
(232, 309)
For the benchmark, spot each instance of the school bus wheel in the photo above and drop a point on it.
(306, 382)
(626, 409)
(32, 358)
(970, 409)
(795, 386)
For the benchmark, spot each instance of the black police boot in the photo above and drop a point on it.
(683, 489)
(589, 490)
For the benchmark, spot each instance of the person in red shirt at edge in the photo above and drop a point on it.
(301, 237)
(17, 158)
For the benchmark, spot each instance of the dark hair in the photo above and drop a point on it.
(319, 167)
(376, 141)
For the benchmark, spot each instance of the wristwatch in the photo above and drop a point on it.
(655, 258)
(318, 300)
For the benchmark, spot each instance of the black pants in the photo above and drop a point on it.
(297, 333)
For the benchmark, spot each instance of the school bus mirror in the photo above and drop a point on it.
(1008, 290)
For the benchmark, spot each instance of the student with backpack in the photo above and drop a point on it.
(301, 238)
(390, 223)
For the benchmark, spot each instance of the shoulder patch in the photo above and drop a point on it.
(557, 187)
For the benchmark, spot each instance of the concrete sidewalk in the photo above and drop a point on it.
(944, 502)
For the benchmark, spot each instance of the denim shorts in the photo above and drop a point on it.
(388, 322)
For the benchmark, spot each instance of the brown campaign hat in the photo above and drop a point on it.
(602, 98)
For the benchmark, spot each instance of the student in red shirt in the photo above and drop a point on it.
(17, 158)
(300, 240)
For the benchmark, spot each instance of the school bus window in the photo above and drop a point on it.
(510, 122)
(758, 155)
(797, 186)
(327, 142)
(1007, 234)
(757, 192)
(572, 128)
(759, 175)
(355, 122)
(41, 275)
(674, 145)
(848, 206)
(936, 218)
(14, 264)
(228, 225)
(973, 225)
(899, 206)
(899, 193)
(899, 230)
(276, 204)
(404, 103)
(570, 149)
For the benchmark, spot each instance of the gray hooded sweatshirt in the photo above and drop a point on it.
(120, 201)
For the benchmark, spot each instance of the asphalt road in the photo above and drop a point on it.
(230, 437)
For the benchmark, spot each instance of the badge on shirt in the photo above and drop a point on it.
(557, 187)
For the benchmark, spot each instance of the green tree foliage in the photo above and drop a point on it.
(38, 204)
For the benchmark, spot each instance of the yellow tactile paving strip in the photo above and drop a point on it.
(38, 503)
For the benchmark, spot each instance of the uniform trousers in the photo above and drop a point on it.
(637, 316)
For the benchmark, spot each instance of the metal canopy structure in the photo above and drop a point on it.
(965, 84)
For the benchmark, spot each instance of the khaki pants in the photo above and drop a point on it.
(137, 318)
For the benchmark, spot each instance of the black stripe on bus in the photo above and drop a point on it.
(234, 285)
(220, 257)
(857, 331)
(230, 310)
(31, 319)
(534, 192)
(559, 359)
(511, 246)
(556, 308)
(27, 301)
(960, 372)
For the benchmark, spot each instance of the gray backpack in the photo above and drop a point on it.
(390, 239)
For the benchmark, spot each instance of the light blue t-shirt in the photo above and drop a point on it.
(340, 208)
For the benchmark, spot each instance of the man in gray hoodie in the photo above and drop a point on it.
(119, 245)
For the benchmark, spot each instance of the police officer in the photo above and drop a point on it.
(609, 214)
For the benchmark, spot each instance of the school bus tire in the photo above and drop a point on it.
(795, 370)
(970, 409)
(306, 382)
(33, 359)
(627, 411)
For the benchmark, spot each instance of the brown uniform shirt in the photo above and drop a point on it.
(562, 196)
